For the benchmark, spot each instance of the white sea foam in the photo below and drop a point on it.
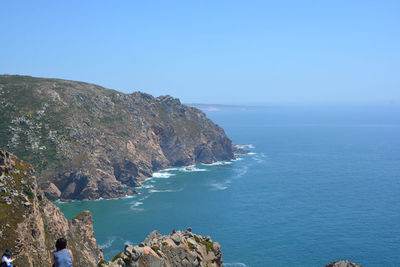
(128, 242)
(218, 163)
(241, 172)
(164, 191)
(136, 203)
(162, 175)
(191, 168)
(144, 197)
(220, 185)
(235, 264)
(244, 146)
(251, 153)
(259, 158)
(217, 186)
(108, 243)
(171, 169)
(135, 206)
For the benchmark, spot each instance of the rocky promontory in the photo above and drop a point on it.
(344, 263)
(88, 142)
(30, 224)
(176, 249)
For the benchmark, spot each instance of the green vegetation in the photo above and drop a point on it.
(196, 238)
(155, 248)
(209, 245)
(101, 263)
(116, 256)
(190, 245)
(12, 215)
(79, 216)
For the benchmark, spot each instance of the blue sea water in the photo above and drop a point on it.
(321, 184)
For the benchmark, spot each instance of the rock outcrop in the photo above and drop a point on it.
(30, 224)
(177, 249)
(342, 264)
(88, 142)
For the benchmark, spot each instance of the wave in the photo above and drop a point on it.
(218, 163)
(108, 243)
(243, 146)
(241, 172)
(170, 169)
(144, 197)
(218, 186)
(135, 206)
(145, 186)
(164, 191)
(162, 175)
(259, 158)
(136, 203)
(235, 264)
(191, 168)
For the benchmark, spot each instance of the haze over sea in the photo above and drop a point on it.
(321, 184)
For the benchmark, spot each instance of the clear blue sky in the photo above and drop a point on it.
(202, 51)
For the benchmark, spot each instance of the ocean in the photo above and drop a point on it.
(321, 184)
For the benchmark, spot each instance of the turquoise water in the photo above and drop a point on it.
(322, 184)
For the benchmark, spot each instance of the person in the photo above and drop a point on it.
(6, 259)
(62, 257)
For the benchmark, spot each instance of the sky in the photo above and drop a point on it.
(226, 52)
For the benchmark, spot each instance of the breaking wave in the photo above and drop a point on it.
(191, 168)
(218, 163)
(108, 243)
(135, 206)
(243, 146)
(218, 186)
(162, 174)
(164, 191)
(235, 264)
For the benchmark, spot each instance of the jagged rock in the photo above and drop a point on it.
(151, 237)
(165, 251)
(51, 191)
(342, 264)
(32, 224)
(91, 142)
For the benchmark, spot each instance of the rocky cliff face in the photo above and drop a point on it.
(30, 224)
(177, 249)
(89, 142)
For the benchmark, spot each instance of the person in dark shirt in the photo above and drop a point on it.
(62, 257)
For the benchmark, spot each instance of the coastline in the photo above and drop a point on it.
(238, 150)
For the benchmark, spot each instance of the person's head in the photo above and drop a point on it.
(7, 253)
(61, 243)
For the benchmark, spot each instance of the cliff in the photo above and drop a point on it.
(177, 249)
(30, 224)
(88, 142)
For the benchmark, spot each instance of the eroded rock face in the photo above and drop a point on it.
(91, 142)
(177, 249)
(30, 224)
(342, 264)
